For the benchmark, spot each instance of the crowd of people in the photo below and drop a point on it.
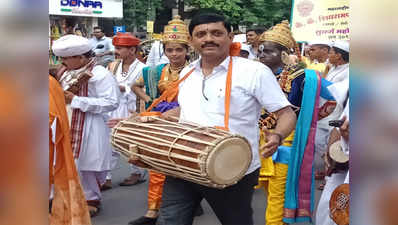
(289, 101)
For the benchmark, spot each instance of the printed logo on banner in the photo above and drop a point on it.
(81, 7)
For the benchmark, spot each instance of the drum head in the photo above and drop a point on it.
(229, 160)
(337, 154)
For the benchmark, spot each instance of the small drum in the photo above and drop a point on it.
(203, 155)
(339, 205)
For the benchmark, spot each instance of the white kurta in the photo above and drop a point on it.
(127, 102)
(103, 97)
(128, 98)
(323, 211)
(338, 73)
(156, 55)
(332, 182)
(340, 77)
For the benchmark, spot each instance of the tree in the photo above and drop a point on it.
(231, 9)
(248, 12)
(267, 13)
(137, 12)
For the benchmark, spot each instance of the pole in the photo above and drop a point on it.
(135, 19)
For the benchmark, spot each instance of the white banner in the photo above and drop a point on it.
(94, 8)
(320, 20)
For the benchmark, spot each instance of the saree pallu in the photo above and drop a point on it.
(299, 194)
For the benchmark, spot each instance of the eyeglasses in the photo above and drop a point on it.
(203, 88)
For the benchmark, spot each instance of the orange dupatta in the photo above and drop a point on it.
(69, 203)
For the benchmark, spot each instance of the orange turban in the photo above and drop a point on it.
(125, 39)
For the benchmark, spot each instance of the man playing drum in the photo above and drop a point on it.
(201, 100)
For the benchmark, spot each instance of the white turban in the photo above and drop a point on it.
(239, 38)
(71, 45)
(343, 45)
(319, 42)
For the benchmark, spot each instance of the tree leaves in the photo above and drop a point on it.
(248, 12)
(137, 12)
(265, 13)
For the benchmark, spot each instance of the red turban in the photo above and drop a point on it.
(125, 39)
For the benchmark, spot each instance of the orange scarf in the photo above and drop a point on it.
(69, 204)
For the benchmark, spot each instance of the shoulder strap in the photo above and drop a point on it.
(61, 70)
(227, 103)
(169, 90)
(114, 65)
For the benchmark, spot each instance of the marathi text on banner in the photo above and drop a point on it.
(320, 20)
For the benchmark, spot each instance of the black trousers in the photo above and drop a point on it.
(231, 205)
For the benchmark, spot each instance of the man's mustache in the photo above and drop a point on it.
(209, 44)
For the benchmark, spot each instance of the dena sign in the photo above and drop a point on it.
(90, 8)
(85, 4)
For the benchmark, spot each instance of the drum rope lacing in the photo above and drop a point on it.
(191, 174)
(173, 143)
(341, 202)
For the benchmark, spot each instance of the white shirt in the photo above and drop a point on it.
(103, 97)
(108, 46)
(156, 55)
(254, 87)
(338, 73)
(128, 98)
(339, 89)
(252, 53)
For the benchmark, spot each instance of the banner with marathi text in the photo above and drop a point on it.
(320, 20)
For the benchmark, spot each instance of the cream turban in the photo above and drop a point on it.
(319, 42)
(343, 45)
(71, 45)
(281, 34)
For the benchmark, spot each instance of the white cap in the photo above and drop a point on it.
(319, 42)
(245, 47)
(239, 38)
(343, 45)
(71, 45)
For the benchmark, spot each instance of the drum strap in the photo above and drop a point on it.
(168, 91)
(228, 87)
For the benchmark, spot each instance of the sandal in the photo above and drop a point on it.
(322, 186)
(132, 180)
(106, 186)
(93, 207)
(93, 210)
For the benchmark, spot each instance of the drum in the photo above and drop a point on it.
(339, 205)
(203, 155)
(336, 160)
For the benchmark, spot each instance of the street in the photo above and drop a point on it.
(123, 204)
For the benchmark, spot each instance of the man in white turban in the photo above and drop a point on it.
(90, 103)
